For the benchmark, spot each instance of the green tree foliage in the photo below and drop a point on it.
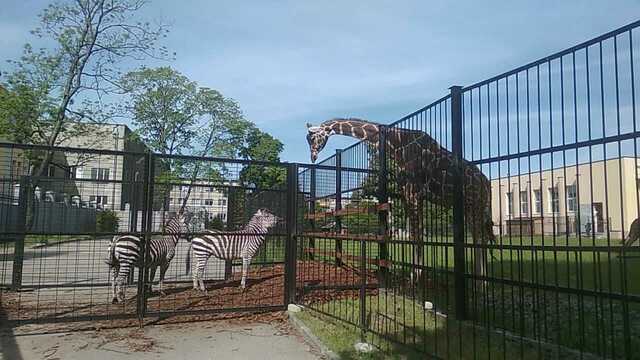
(263, 147)
(165, 109)
(106, 221)
(53, 90)
(215, 224)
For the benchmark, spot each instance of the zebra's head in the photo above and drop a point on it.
(179, 224)
(266, 218)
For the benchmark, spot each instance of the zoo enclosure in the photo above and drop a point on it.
(346, 249)
(558, 141)
(52, 254)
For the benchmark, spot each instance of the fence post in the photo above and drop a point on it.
(21, 229)
(290, 255)
(363, 291)
(312, 210)
(458, 204)
(147, 228)
(383, 197)
(338, 219)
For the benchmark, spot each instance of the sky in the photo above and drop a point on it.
(292, 62)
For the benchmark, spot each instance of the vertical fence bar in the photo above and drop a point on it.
(338, 220)
(458, 204)
(147, 228)
(383, 198)
(21, 229)
(291, 226)
(312, 210)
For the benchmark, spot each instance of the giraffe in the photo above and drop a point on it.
(426, 171)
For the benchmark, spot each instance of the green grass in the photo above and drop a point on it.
(421, 332)
(31, 240)
(585, 269)
(577, 320)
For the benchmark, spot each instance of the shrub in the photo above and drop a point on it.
(106, 221)
(215, 224)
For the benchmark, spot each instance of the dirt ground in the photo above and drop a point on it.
(266, 336)
(265, 287)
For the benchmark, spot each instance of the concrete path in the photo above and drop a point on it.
(82, 263)
(192, 341)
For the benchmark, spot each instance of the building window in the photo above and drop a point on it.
(572, 198)
(537, 198)
(555, 199)
(195, 201)
(208, 202)
(99, 174)
(222, 202)
(209, 189)
(99, 200)
(51, 171)
(72, 172)
(509, 203)
(524, 203)
(16, 167)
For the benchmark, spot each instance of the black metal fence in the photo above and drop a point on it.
(57, 225)
(410, 260)
(494, 222)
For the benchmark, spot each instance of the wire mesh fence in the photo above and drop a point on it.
(71, 228)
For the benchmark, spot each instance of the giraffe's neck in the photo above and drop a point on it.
(354, 128)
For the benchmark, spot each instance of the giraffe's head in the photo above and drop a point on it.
(317, 137)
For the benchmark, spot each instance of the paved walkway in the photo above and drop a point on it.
(192, 341)
(82, 263)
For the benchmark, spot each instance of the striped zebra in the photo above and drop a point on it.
(242, 244)
(124, 254)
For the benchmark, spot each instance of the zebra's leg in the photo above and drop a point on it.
(113, 276)
(163, 271)
(194, 273)
(152, 275)
(202, 263)
(245, 266)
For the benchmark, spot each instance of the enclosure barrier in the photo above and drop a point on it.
(526, 246)
(556, 142)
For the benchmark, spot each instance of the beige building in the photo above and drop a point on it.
(601, 197)
(203, 198)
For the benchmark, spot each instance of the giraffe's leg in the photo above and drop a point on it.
(163, 271)
(245, 266)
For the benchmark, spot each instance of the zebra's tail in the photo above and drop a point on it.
(188, 260)
(111, 257)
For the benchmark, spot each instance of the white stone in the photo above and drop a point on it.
(294, 308)
(428, 305)
(364, 347)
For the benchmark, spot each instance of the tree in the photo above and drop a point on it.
(55, 91)
(165, 107)
(176, 116)
(261, 146)
(68, 82)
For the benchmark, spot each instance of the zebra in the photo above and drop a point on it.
(124, 254)
(242, 244)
